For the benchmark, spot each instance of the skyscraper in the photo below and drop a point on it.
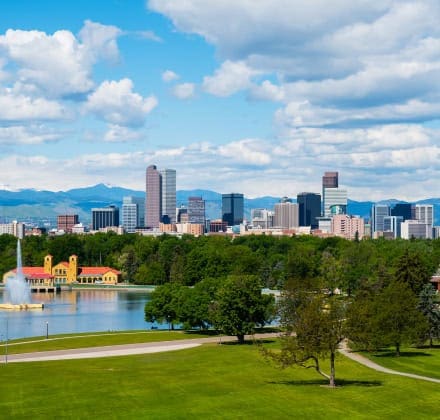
(168, 207)
(378, 213)
(286, 215)
(403, 209)
(232, 208)
(196, 210)
(425, 213)
(153, 197)
(133, 213)
(309, 209)
(334, 200)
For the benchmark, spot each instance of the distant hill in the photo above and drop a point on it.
(43, 206)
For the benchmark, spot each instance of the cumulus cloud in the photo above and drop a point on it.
(59, 64)
(369, 163)
(18, 107)
(230, 78)
(327, 62)
(169, 76)
(23, 135)
(116, 103)
(121, 134)
(184, 90)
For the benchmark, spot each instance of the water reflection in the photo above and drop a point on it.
(78, 311)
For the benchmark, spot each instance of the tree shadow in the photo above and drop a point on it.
(402, 354)
(324, 382)
(248, 342)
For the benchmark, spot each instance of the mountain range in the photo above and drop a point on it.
(38, 207)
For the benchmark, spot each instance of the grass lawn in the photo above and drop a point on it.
(421, 361)
(72, 341)
(208, 382)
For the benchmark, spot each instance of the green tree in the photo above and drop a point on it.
(240, 306)
(313, 325)
(387, 318)
(413, 269)
(431, 311)
(165, 304)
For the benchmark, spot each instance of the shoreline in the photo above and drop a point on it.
(134, 288)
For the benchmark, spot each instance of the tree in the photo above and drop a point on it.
(387, 318)
(412, 270)
(313, 326)
(431, 311)
(165, 304)
(240, 306)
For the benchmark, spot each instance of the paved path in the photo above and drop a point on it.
(369, 363)
(121, 350)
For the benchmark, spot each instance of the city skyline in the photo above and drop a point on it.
(264, 104)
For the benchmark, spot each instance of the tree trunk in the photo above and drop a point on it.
(332, 370)
(240, 338)
(397, 349)
(430, 341)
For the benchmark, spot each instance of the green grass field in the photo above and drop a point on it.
(210, 382)
(73, 341)
(421, 361)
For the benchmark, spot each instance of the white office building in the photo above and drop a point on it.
(334, 201)
(286, 215)
(424, 213)
(415, 229)
(378, 213)
(262, 218)
(133, 213)
(392, 224)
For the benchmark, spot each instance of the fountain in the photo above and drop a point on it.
(18, 292)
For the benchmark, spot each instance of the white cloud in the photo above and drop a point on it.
(370, 59)
(23, 135)
(116, 103)
(17, 107)
(169, 76)
(371, 163)
(59, 64)
(230, 78)
(150, 35)
(184, 90)
(120, 134)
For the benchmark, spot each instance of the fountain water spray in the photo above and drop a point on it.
(18, 291)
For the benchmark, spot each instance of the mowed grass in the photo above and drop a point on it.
(421, 361)
(208, 382)
(63, 342)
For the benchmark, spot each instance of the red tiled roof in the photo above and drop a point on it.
(35, 272)
(93, 271)
(66, 264)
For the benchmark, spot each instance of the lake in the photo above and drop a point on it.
(76, 311)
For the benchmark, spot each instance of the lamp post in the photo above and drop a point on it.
(47, 330)
(6, 346)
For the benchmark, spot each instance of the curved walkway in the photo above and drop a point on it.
(369, 363)
(121, 350)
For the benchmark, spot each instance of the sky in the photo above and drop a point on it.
(253, 96)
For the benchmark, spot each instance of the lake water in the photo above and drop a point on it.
(77, 311)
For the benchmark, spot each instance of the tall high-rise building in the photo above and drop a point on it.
(232, 208)
(286, 215)
(196, 210)
(309, 209)
(378, 213)
(105, 217)
(335, 201)
(424, 213)
(168, 207)
(329, 180)
(153, 208)
(133, 213)
(405, 210)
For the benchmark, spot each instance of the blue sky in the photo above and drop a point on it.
(259, 97)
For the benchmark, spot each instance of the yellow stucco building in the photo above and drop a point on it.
(65, 273)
